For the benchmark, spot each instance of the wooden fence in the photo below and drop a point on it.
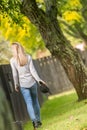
(51, 71)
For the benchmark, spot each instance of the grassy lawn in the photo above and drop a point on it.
(63, 112)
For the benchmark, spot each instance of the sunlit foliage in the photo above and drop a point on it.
(71, 16)
(27, 35)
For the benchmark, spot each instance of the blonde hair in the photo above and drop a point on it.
(20, 54)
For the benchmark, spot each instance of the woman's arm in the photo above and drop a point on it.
(33, 70)
(15, 75)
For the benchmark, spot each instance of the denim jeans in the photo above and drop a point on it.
(31, 99)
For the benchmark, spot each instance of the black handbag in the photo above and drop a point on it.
(44, 88)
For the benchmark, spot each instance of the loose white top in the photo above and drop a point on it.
(26, 75)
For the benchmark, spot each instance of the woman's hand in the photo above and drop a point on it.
(42, 82)
(17, 89)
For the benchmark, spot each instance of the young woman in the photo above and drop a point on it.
(25, 76)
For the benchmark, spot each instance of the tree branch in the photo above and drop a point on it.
(51, 8)
(81, 33)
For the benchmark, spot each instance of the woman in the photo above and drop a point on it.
(25, 76)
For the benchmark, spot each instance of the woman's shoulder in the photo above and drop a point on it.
(12, 60)
(29, 56)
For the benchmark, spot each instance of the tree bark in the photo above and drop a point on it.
(59, 46)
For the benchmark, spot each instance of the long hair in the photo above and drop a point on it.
(20, 54)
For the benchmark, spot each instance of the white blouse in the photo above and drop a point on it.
(24, 76)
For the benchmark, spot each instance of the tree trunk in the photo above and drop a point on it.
(69, 58)
(58, 45)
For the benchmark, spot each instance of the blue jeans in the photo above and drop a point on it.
(31, 99)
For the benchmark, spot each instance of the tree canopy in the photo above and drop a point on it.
(74, 18)
(28, 36)
(71, 13)
(16, 27)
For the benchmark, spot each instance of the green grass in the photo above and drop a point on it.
(63, 112)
